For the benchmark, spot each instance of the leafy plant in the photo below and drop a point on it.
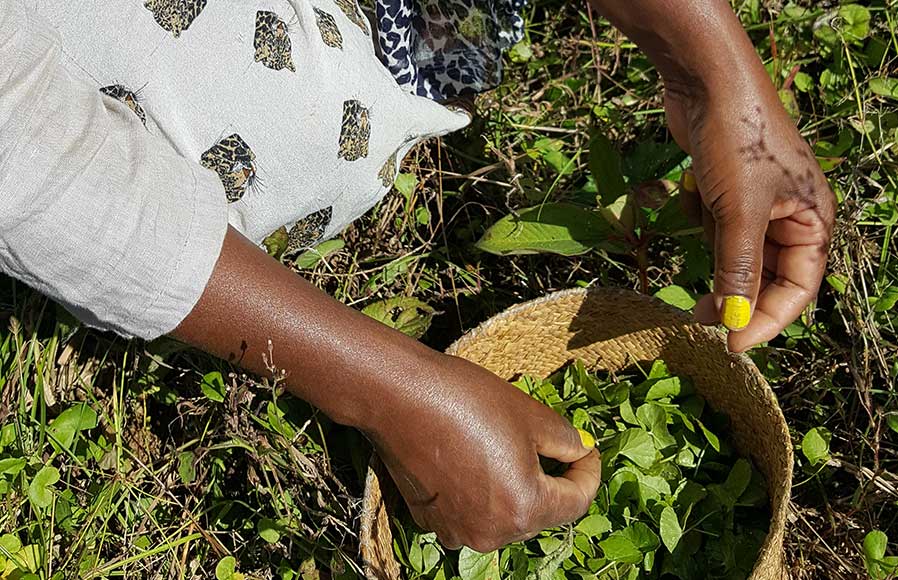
(677, 501)
(879, 566)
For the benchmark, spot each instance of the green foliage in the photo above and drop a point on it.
(128, 498)
(879, 566)
(41, 489)
(562, 229)
(407, 315)
(815, 445)
(677, 296)
(476, 566)
(311, 258)
(213, 387)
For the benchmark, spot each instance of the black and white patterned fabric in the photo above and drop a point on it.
(442, 49)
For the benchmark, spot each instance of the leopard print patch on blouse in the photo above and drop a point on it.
(355, 131)
(308, 231)
(352, 11)
(128, 97)
(387, 173)
(330, 32)
(272, 42)
(235, 163)
(175, 16)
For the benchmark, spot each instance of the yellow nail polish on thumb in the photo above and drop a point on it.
(587, 439)
(689, 183)
(736, 312)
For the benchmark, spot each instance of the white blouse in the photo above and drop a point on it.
(131, 133)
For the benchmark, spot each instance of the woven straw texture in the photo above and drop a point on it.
(610, 330)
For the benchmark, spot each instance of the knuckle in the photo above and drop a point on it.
(521, 515)
(583, 504)
(738, 271)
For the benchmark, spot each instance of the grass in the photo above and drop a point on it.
(175, 461)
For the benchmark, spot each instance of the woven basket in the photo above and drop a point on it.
(610, 330)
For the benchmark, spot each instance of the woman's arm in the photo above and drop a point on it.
(110, 221)
(768, 208)
(461, 444)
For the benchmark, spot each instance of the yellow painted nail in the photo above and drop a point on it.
(587, 439)
(689, 183)
(736, 312)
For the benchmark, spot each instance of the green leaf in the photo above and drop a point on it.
(7, 435)
(837, 282)
(850, 21)
(651, 160)
(884, 87)
(550, 150)
(310, 258)
(670, 529)
(739, 478)
(213, 387)
(594, 525)
(619, 548)
(605, 166)
(677, 296)
(654, 419)
(855, 25)
(803, 82)
(268, 530)
(476, 566)
(70, 422)
(12, 465)
(711, 437)
(887, 300)
(790, 103)
(276, 243)
(555, 228)
(406, 184)
(407, 315)
(521, 52)
(187, 467)
(40, 491)
(638, 445)
(664, 388)
(659, 370)
(278, 421)
(892, 422)
(875, 543)
(815, 445)
(10, 543)
(642, 537)
(226, 568)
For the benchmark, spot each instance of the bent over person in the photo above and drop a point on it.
(147, 148)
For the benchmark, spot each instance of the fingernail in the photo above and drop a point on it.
(736, 312)
(689, 183)
(586, 439)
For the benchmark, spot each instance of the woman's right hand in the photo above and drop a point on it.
(462, 444)
(465, 454)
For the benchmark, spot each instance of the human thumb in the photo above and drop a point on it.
(739, 259)
(559, 440)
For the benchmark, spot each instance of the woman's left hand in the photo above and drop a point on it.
(764, 201)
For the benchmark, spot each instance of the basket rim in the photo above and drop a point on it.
(682, 317)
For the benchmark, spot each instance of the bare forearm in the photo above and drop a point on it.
(336, 358)
(694, 43)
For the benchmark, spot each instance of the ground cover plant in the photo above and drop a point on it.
(678, 501)
(136, 460)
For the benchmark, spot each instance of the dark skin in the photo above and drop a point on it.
(463, 445)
